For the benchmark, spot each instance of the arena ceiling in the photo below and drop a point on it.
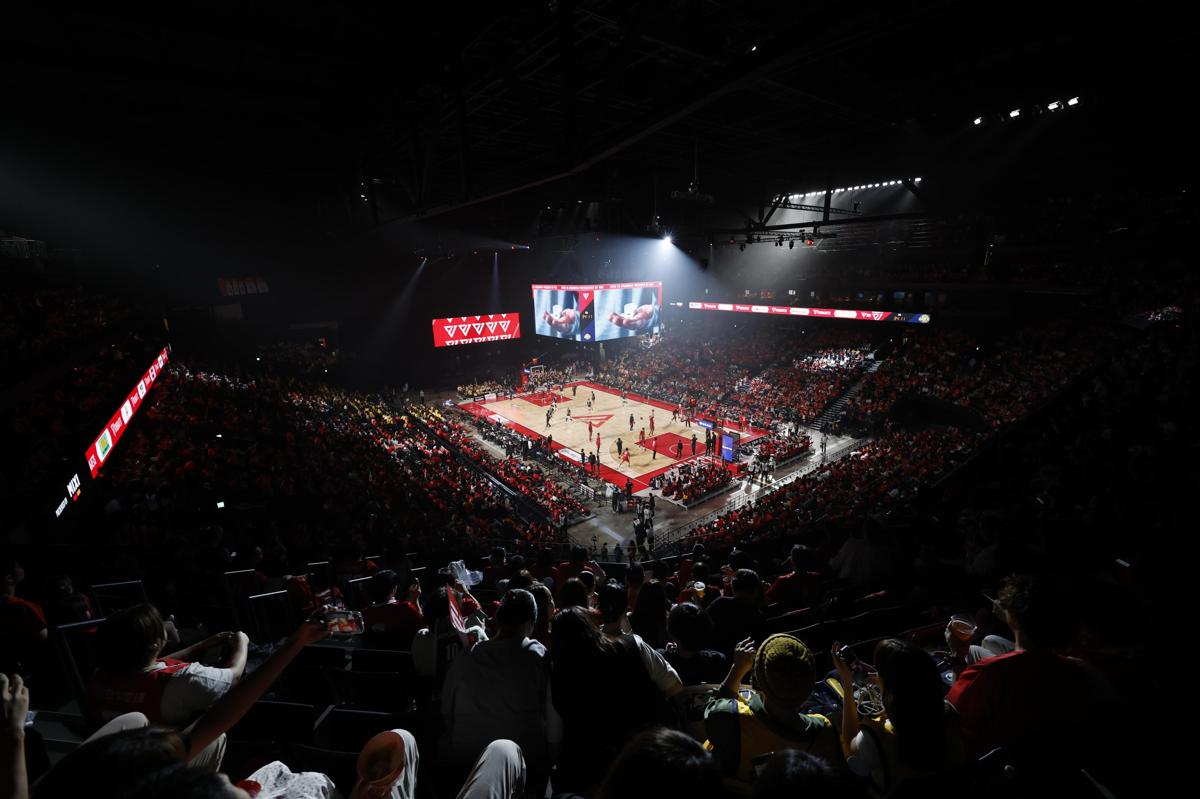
(430, 107)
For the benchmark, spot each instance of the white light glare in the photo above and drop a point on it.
(1073, 101)
(1013, 114)
(1054, 106)
(916, 180)
(978, 120)
(667, 239)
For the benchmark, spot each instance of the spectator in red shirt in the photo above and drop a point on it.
(791, 591)
(684, 574)
(496, 568)
(1031, 699)
(578, 563)
(22, 623)
(386, 616)
(134, 675)
(311, 592)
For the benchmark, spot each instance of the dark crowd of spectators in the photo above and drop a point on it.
(692, 482)
(994, 585)
(46, 316)
(1002, 385)
(769, 377)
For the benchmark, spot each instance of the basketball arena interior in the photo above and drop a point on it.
(594, 398)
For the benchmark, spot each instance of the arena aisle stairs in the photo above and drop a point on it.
(833, 411)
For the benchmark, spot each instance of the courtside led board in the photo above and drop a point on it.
(476, 329)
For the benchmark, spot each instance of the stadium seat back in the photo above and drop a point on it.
(284, 722)
(270, 617)
(386, 691)
(347, 729)
(74, 648)
(117, 596)
(356, 594)
(240, 585)
(382, 660)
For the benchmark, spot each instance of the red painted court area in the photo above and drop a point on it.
(544, 398)
(665, 443)
(572, 442)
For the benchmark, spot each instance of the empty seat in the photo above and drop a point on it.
(348, 730)
(74, 648)
(305, 678)
(269, 617)
(386, 691)
(240, 585)
(320, 657)
(381, 660)
(356, 593)
(789, 621)
(284, 722)
(114, 597)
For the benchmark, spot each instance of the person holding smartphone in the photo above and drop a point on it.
(915, 735)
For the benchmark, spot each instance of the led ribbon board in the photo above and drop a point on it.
(102, 447)
(821, 313)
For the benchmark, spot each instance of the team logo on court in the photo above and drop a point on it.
(596, 419)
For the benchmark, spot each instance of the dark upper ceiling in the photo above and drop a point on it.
(431, 106)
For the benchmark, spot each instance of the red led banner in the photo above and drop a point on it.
(455, 330)
(102, 447)
(822, 313)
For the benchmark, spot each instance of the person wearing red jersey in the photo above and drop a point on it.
(1013, 700)
(22, 622)
(134, 675)
(388, 616)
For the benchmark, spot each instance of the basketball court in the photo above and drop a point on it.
(609, 417)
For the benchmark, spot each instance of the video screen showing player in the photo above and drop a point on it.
(621, 313)
(556, 313)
